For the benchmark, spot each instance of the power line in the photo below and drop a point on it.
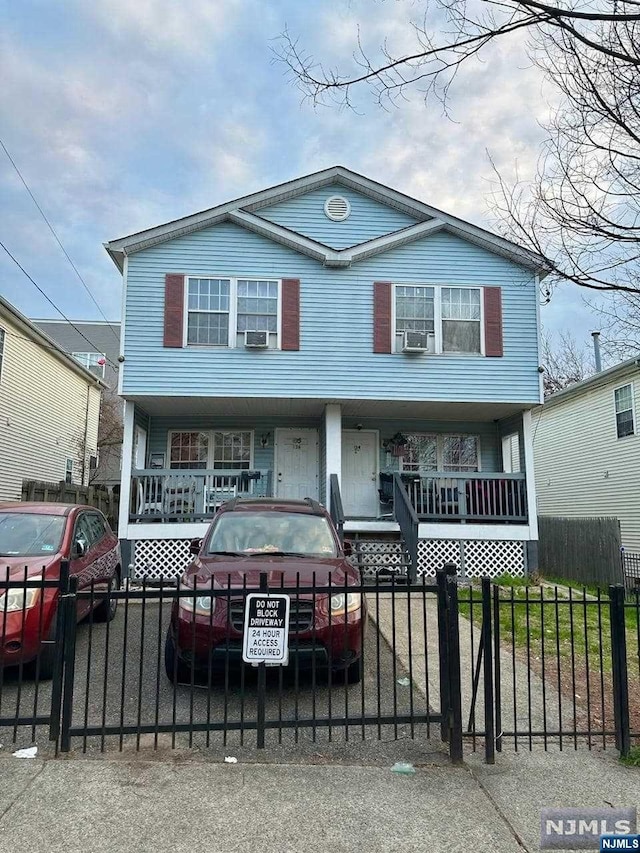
(57, 239)
(52, 303)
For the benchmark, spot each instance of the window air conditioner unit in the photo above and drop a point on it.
(418, 342)
(256, 340)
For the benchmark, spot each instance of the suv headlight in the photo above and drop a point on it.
(341, 603)
(203, 605)
(18, 598)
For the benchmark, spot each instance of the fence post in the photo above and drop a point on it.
(262, 679)
(455, 688)
(441, 582)
(619, 669)
(489, 720)
(70, 604)
(56, 682)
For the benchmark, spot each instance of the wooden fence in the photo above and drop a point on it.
(587, 550)
(101, 497)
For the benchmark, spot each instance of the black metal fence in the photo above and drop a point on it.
(485, 667)
(549, 666)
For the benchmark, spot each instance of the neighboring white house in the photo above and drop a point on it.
(49, 408)
(586, 441)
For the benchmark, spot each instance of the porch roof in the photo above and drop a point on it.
(308, 407)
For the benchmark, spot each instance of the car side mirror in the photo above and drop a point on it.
(194, 546)
(347, 547)
(80, 548)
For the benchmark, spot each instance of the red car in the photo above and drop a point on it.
(287, 540)
(36, 537)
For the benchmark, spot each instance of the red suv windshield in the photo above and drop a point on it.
(270, 532)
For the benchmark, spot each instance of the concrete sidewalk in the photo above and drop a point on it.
(185, 804)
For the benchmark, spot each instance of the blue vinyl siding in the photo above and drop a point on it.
(368, 219)
(336, 359)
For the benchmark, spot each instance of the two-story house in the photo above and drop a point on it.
(321, 337)
(49, 407)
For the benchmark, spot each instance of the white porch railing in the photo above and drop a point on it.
(193, 494)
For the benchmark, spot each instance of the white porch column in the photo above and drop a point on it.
(127, 458)
(527, 433)
(332, 443)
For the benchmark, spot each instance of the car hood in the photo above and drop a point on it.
(33, 565)
(281, 571)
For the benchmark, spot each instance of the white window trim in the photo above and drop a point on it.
(439, 437)
(209, 433)
(90, 352)
(233, 309)
(633, 411)
(437, 316)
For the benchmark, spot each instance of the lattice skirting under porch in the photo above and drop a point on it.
(158, 559)
(473, 557)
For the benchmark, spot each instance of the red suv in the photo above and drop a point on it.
(294, 543)
(34, 538)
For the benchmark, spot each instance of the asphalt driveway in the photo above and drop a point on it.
(120, 683)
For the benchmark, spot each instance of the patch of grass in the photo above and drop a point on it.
(533, 618)
(633, 759)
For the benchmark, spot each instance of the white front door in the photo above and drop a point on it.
(359, 482)
(139, 447)
(297, 463)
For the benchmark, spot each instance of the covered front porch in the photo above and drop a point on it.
(461, 465)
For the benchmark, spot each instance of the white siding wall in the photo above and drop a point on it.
(43, 415)
(582, 468)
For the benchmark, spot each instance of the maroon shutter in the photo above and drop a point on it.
(382, 316)
(493, 321)
(291, 313)
(173, 310)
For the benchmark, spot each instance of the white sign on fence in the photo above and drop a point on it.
(266, 629)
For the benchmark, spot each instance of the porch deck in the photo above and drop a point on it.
(194, 495)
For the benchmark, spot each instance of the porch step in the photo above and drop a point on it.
(381, 557)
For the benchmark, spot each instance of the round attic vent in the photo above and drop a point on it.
(337, 208)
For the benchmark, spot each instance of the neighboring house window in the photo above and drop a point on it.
(188, 449)
(624, 411)
(460, 319)
(209, 301)
(453, 315)
(68, 470)
(232, 451)
(1, 351)
(425, 452)
(93, 361)
(221, 310)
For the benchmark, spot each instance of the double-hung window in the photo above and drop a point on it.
(625, 424)
(221, 310)
(450, 316)
(188, 449)
(208, 308)
(232, 451)
(460, 453)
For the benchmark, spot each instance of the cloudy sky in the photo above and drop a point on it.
(122, 114)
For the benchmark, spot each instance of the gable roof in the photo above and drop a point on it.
(244, 211)
(612, 375)
(39, 337)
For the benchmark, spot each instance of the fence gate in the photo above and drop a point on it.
(549, 666)
(379, 661)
